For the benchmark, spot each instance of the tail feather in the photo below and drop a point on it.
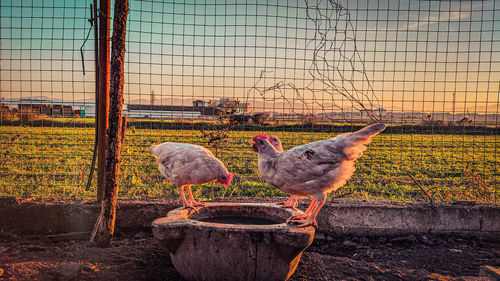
(364, 136)
(354, 143)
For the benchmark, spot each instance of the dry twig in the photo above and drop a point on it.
(420, 186)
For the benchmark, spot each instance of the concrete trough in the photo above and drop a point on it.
(233, 241)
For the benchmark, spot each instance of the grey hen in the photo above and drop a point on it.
(313, 169)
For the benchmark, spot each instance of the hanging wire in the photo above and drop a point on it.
(93, 20)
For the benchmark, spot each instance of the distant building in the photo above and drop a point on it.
(89, 110)
(201, 103)
(170, 111)
(198, 103)
(200, 109)
(45, 107)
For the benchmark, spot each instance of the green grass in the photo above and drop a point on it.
(50, 162)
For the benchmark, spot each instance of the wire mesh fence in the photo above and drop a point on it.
(217, 73)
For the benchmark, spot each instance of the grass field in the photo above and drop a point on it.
(50, 162)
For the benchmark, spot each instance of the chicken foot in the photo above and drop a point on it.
(311, 220)
(191, 198)
(308, 218)
(304, 215)
(185, 203)
(290, 203)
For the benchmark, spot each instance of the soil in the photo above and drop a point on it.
(138, 256)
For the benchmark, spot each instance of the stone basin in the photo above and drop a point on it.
(233, 241)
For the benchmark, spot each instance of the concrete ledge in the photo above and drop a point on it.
(42, 216)
(359, 217)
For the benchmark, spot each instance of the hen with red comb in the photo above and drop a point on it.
(187, 164)
(313, 169)
(259, 137)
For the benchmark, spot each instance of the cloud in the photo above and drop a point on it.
(416, 23)
(455, 11)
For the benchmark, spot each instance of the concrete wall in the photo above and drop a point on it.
(397, 218)
(30, 216)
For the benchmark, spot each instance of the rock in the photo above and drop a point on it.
(320, 237)
(405, 239)
(348, 243)
(68, 271)
(426, 240)
(140, 235)
(35, 248)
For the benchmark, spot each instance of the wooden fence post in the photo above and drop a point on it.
(105, 225)
(103, 101)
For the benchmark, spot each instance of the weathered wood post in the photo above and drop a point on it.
(103, 86)
(105, 225)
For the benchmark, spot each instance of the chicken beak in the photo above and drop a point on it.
(251, 142)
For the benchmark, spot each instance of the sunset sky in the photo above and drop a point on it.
(400, 55)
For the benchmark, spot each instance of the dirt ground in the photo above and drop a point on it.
(138, 256)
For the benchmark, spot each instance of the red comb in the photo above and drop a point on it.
(229, 179)
(261, 136)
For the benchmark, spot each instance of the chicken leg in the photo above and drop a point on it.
(290, 203)
(304, 215)
(317, 203)
(186, 204)
(311, 220)
(191, 198)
